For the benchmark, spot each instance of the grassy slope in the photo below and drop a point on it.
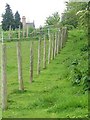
(0, 87)
(51, 94)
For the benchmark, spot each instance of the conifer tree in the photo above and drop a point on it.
(8, 19)
(17, 20)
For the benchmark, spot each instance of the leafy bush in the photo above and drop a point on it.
(77, 74)
(86, 83)
(69, 27)
(84, 48)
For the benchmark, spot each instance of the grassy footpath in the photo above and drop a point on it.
(51, 95)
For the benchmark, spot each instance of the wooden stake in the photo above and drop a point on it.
(57, 42)
(9, 33)
(39, 56)
(19, 32)
(4, 79)
(52, 56)
(55, 47)
(19, 59)
(62, 37)
(44, 53)
(49, 49)
(31, 62)
(23, 32)
(27, 31)
(59, 39)
(3, 76)
(66, 34)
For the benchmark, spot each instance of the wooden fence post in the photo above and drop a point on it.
(66, 34)
(3, 76)
(64, 30)
(57, 42)
(62, 37)
(9, 35)
(31, 62)
(23, 32)
(19, 60)
(39, 56)
(49, 49)
(59, 39)
(44, 53)
(55, 45)
(19, 32)
(27, 31)
(52, 55)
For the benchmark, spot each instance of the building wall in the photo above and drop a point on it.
(27, 24)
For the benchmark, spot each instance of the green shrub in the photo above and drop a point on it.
(69, 27)
(77, 74)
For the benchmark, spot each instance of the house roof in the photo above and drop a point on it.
(30, 24)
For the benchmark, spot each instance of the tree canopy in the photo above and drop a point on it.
(9, 19)
(69, 16)
(53, 20)
(17, 19)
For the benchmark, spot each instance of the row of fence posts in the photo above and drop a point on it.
(56, 43)
(25, 32)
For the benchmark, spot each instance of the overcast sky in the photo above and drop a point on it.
(36, 10)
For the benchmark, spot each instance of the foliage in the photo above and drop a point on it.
(31, 29)
(86, 83)
(0, 27)
(53, 20)
(17, 20)
(51, 94)
(69, 16)
(83, 17)
(8, 19)
(69, 27)
(77, 73)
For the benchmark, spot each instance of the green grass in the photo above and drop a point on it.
(51, 95)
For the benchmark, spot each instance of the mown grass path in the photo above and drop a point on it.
(51, 95)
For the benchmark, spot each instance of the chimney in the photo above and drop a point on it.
(24, 21)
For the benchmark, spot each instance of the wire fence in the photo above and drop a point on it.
(28, 55)
(25, 34)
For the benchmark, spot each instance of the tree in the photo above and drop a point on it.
(17, 20)
(69, 16)
(53, 20)
(8, 18)
(83, 17)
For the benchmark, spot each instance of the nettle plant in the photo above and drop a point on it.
(77, 74)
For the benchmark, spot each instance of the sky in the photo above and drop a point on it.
(37, 10)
